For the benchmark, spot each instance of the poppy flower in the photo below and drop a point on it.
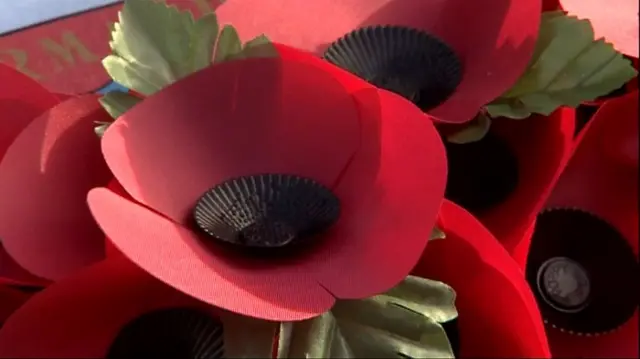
(448, 69)
(504, 178)
(498, 315)
(269, 187)
(583, 258)
(111, 309)
(46, 142)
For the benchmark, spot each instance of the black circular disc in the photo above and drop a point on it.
(170, 333)
(482, 174)
(582, 272)
(409, 62)
(269, 211)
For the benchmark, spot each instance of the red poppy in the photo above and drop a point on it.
(93, 314)
(50, 159)
(222, 151)
(583, 259)
(504, 178)
(484, 47)
(617, 24)
(498, 315)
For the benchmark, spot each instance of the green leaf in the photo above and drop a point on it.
(569, 66)
(154, 45)
(116, 103)
(473, 131)
(402, 323)
(100, 128)
(437, 233)
(246, 337)
(229, 44)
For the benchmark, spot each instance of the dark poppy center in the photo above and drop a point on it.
(582, 271)
(482, 174)
(170, 333)
(268, 211)
(409, 62)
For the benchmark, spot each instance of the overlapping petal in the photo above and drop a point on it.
(498, 315)
(493, 38)
(283, 115)
(44, 177)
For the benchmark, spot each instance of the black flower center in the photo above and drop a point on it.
(482, 174)
(411, 63)
(269, 211)
(582, 271)
(170, 333)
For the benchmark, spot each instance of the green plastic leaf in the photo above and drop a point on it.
(246, 337)
(402, 323)
(229, 44)
(569, 66)
(473, 131)
(116, 103)
(437, 233)
(100, 128)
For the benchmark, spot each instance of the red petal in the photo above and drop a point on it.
(176, 256)
(235, 119)
(390, 195)
(10, 300)
(494, 38)
(499, 317)
(79, 316)
(542, 146)
(21, 100)
(602, 178)
(11, 273)
(617, 24)
(44, 178)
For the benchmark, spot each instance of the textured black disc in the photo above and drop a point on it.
(170, 333)
(409, 62)
(582, 271)
(267, 211)
(482, 174)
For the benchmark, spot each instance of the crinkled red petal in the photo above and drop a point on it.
(44, 178)
(79, 316)
(617, 24)
(542, 146)
(602, 178)
(391, 193)
(235, 119)
(498, 315)
(494, 38)
(175, 255)
(21, 100)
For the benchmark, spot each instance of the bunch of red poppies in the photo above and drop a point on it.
(375, 143)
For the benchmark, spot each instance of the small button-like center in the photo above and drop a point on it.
(564, 284)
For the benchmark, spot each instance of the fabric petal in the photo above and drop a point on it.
(390, 194)
(44, 178)
(602, 179)
(498, 315)
(176, 256)
(79, 316)
(21, 100)
(617, 24)
(10, 300)
(542, 146)
(494, 38)
(235, 119)
(11, 273)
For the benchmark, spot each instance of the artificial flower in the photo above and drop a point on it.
(498, 315)
(583, 258)
(369, 168)
(50, 159)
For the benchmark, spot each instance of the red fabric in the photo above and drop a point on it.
(498, 314)
(616, 22)
(10, 300)
(494, 38)
(380, 155)
(44, 177)
(602, 178)
(79, 316)
(542, 146)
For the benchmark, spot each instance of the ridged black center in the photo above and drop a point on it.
(409, 62)
(582, 271)
(170, 333)
(482, 174)
(267, 211)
